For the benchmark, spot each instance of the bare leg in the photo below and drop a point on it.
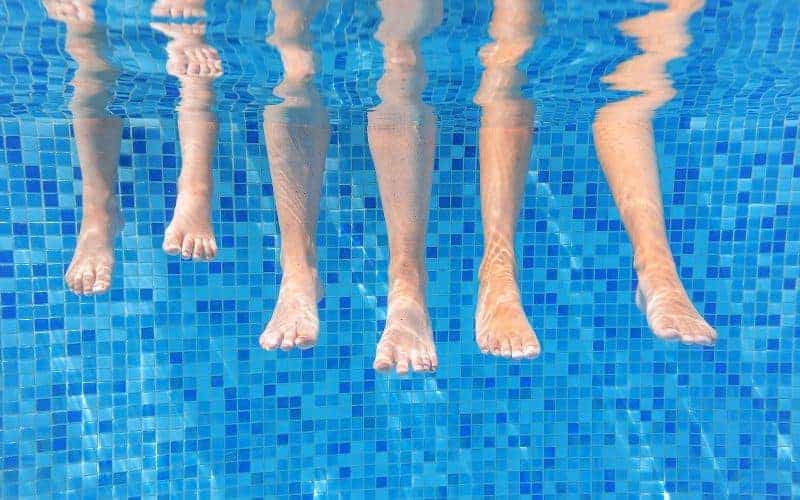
(505, 137)
(297, 134)
(98, 142)
(196, 65)
(97, 135)
(403, 156)
(623, 133)
(401, 133)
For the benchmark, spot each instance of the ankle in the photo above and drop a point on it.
(654, 264)
(503, 269)
(200, 186)
(100, 211)
(99, 228)
(652, 278)
(404, 299)
(302, 276)
(301, 263)
(408, 278)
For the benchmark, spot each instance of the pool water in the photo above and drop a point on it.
(159, 387)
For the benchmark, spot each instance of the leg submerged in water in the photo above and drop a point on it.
(401, 133)
(190, 233)
(505, 139)
(501, 326)
(623, 135)
(196, 65)
(403, 156)
(296, 162)
(98, 135)
(297, 134)
(98, 141)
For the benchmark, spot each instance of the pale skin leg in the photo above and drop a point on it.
(623, 133)
(97, 135)
(403, 157)
(505, 137)
(297, 134)
(196, 65)
(98, 141)
(401, 134)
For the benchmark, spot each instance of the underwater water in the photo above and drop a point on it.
(160, 387)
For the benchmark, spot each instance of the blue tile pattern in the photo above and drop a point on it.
(159, 388)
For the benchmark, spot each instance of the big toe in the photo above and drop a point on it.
(523, 346)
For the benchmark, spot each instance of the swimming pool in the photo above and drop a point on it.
(159, 387)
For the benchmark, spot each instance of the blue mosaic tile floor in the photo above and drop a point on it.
(160, 389)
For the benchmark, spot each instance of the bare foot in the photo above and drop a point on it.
(193, 60)
(407, 340)
(71, 11)
(501, 327)
(89, 272)
(188, 53)
(189, 233)
(670, 313)
(178, 8)
(295, 321)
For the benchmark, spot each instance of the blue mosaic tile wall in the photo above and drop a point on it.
(159, 388)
